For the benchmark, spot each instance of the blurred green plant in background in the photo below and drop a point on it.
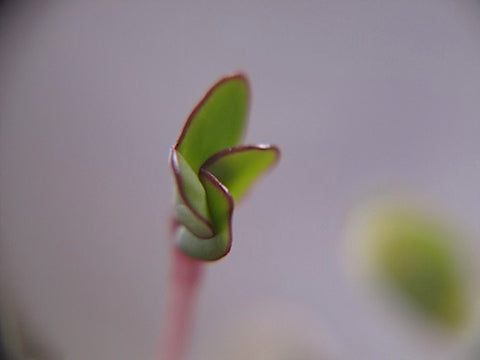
(416, 257)
(416, 253)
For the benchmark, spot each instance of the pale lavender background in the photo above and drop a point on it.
(360, 95)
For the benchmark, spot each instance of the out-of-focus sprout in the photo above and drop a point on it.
(416, 253)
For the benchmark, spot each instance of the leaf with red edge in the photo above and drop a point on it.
(238, 168)
(217, 122)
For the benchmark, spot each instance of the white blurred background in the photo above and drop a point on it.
(360, 96)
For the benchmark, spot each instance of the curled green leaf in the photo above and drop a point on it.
(221, 208)
(191, 207)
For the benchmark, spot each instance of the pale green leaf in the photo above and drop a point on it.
(221, 207)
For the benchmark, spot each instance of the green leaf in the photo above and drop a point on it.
(238, 168)
(191, 208)
(221, 208)
(416, 257)
(217, 122)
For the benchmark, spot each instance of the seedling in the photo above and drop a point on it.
(212, 173)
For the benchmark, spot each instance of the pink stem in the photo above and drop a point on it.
(184, 280)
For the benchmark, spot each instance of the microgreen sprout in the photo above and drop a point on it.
(212, 173)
